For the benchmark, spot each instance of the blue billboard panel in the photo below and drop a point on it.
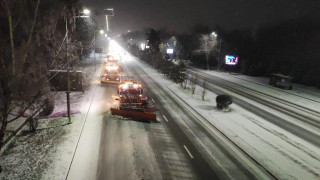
(231, 60)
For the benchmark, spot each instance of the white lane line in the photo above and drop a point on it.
(152, 100)
(185, 147)
(165, 118)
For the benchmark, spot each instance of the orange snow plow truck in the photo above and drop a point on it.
(132, 104)
(111, 72)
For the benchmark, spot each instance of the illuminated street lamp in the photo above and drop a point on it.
(142, 46)
(216, 35)
(86, 11)
(101, 31)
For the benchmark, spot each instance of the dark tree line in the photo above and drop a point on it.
(289, 48)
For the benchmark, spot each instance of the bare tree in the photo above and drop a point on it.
(31, 28)
(204, 89)
(178, 48)
(208, 42)
(185, 81)
(193, 83)
(13, 77)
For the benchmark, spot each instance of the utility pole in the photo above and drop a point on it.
(94, 52)
(68, 76)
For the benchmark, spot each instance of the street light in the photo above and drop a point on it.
(101, 31)
(216, 35)
(108, 12)
(86, 11)
(142, 46)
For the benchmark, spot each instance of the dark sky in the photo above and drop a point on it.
(180, 15)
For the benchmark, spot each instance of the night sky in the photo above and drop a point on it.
(180, 15)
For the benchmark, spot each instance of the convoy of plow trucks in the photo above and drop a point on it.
(130, 99)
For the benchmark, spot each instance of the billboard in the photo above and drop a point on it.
(109, 12)
(98, 50)
(169, 51)
(59, 80)
(231, 60)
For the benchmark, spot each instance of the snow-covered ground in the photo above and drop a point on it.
(32, 153)
(305, 96)
(284, 154)
(46, 154)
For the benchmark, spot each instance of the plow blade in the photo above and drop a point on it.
(135, 115)
(109, 82)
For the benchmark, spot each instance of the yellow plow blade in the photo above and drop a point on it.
(135, 115)
(110, 82)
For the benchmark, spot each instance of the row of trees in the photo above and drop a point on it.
(32, 41)
(154, 56)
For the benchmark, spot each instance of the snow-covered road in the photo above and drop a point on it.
(191, 140)
(114, 148)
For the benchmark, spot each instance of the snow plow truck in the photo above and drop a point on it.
(111, 72)
(132, 104)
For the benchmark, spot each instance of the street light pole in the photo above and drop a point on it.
(107, 22)
(68, 76)
(68, 65)
(94, 51)
(207, 54)
(219, 57)
(108, 12)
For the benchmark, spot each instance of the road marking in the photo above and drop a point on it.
(152, 100)
(185, 147)
(165, 118)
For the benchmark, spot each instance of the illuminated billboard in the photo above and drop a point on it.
(109, 12)
(169, 51)
(231, 60)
